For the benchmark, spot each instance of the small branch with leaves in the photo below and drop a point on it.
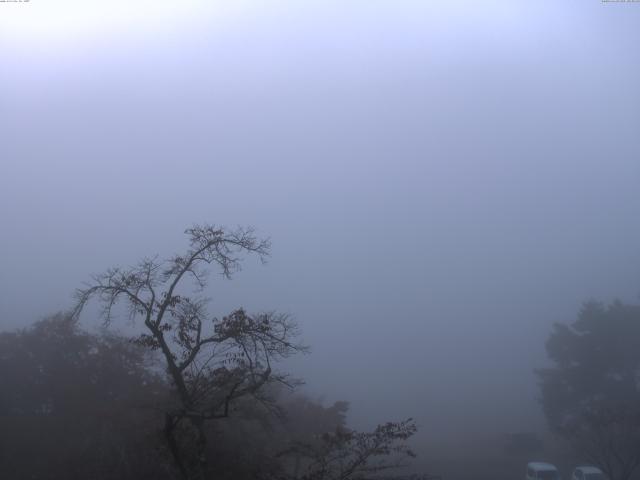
(346, 454)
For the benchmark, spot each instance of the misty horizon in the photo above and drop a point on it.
(440, 183)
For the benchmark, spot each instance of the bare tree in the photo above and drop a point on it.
(212, 362)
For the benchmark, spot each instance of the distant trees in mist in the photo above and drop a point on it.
(591, 394)
(193, 396)
(75, 405)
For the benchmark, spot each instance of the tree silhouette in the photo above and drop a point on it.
(591, 395)
(212, 362)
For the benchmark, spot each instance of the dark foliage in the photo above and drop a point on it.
(591, 395)
(74, 405)
(219, 366)
(212, 362)
(80, 405)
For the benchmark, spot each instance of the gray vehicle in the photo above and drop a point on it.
(587, 472)
(542, 471)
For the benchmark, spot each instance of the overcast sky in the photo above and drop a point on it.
(441, 180)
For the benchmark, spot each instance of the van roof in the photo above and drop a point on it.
(589, 469)
(541, 466)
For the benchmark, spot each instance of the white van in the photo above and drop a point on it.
(542, 471)
(587, 472)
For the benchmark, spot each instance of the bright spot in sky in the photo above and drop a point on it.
(73, 19)
(69, 20)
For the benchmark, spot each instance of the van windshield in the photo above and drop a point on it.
(548, 475)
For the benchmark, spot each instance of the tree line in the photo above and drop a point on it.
(195, 396)
(190, 396)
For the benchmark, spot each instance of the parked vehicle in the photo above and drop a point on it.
(542, 471)
(587, 472)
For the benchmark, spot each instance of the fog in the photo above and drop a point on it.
(441, 181)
